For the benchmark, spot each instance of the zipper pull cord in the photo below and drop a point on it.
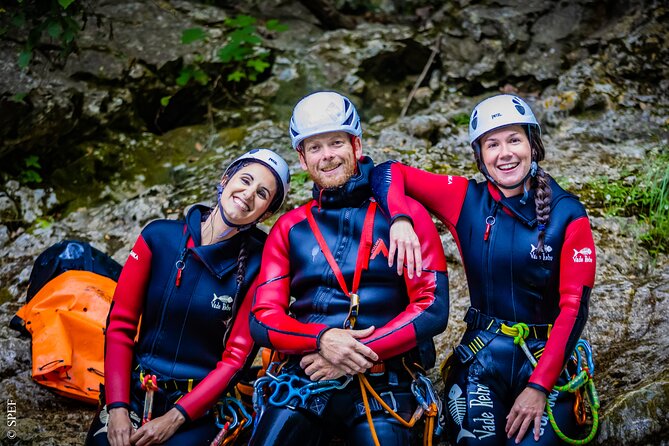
(489, 222)
(180, 265)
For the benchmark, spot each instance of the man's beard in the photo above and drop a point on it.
(340, 180)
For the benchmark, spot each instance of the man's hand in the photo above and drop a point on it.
(341, 347)
(318, 368)
(528, 408)
(159, 429)
(119, 427)
(404, 241)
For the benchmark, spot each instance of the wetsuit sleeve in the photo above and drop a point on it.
(123, 324)
(426, 315)
(271, 324)
(237, 353)
(577, 277)
(443, 195)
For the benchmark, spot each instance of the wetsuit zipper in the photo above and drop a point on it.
(488, 240)
(180, 265)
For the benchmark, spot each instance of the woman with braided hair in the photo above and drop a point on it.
(529, 257)
(191, 283)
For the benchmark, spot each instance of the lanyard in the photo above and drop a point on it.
(362, 262)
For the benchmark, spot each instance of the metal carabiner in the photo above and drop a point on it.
(353, 310)
(583, 353)
(227, 416)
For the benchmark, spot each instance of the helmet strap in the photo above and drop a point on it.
(230, 224)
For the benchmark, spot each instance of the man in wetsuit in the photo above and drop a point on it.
(351, 314)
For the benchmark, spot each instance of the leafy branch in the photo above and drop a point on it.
(243, 53)
(58, 20)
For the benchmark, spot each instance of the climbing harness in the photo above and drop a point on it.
(429, 404)
(232, 418)
(584, 377)
(421, 387)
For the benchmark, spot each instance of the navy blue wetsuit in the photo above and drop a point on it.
(508, 282)
(194, 336)
(407, 313)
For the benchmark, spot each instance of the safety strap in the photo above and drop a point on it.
(584, 378)
(362, 262)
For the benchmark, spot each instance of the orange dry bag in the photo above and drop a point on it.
(66, 319)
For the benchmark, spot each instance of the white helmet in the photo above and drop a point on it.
(322, 112)
(499, 111)
(275, 164)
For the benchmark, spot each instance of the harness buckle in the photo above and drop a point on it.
(471, 316)
(464, 353)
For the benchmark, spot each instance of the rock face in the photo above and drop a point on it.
(595, 73)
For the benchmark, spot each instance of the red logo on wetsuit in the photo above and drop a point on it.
(379, 247)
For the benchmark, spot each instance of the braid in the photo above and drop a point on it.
(542, 202)
(241, 265)
(543, 193)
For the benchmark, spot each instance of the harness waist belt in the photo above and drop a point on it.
(477, 320)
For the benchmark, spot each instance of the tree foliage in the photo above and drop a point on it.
(39, 22)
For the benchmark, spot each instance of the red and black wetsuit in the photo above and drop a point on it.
(186, 322)
(407, 313)
(508, 281)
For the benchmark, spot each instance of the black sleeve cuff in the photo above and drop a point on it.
(117, 405)
(183, 412)
(318, 338)
(408, 217)
(539, 388)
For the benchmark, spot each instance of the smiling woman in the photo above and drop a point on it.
(529, 257)
(507, 157)
(188, 281)
(246, 196)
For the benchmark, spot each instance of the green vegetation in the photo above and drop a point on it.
(244, 55)
(243, 51)
(59, 21)
(29, 173)
(460, 119)
(643, 192)
(299, 178)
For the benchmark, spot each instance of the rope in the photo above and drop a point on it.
(431, 412)
(368, 411)
(520, 331)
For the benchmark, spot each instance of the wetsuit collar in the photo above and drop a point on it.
(353, 193)
(525, 212)
(216, 257)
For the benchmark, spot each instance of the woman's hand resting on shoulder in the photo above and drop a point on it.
(404, 242)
